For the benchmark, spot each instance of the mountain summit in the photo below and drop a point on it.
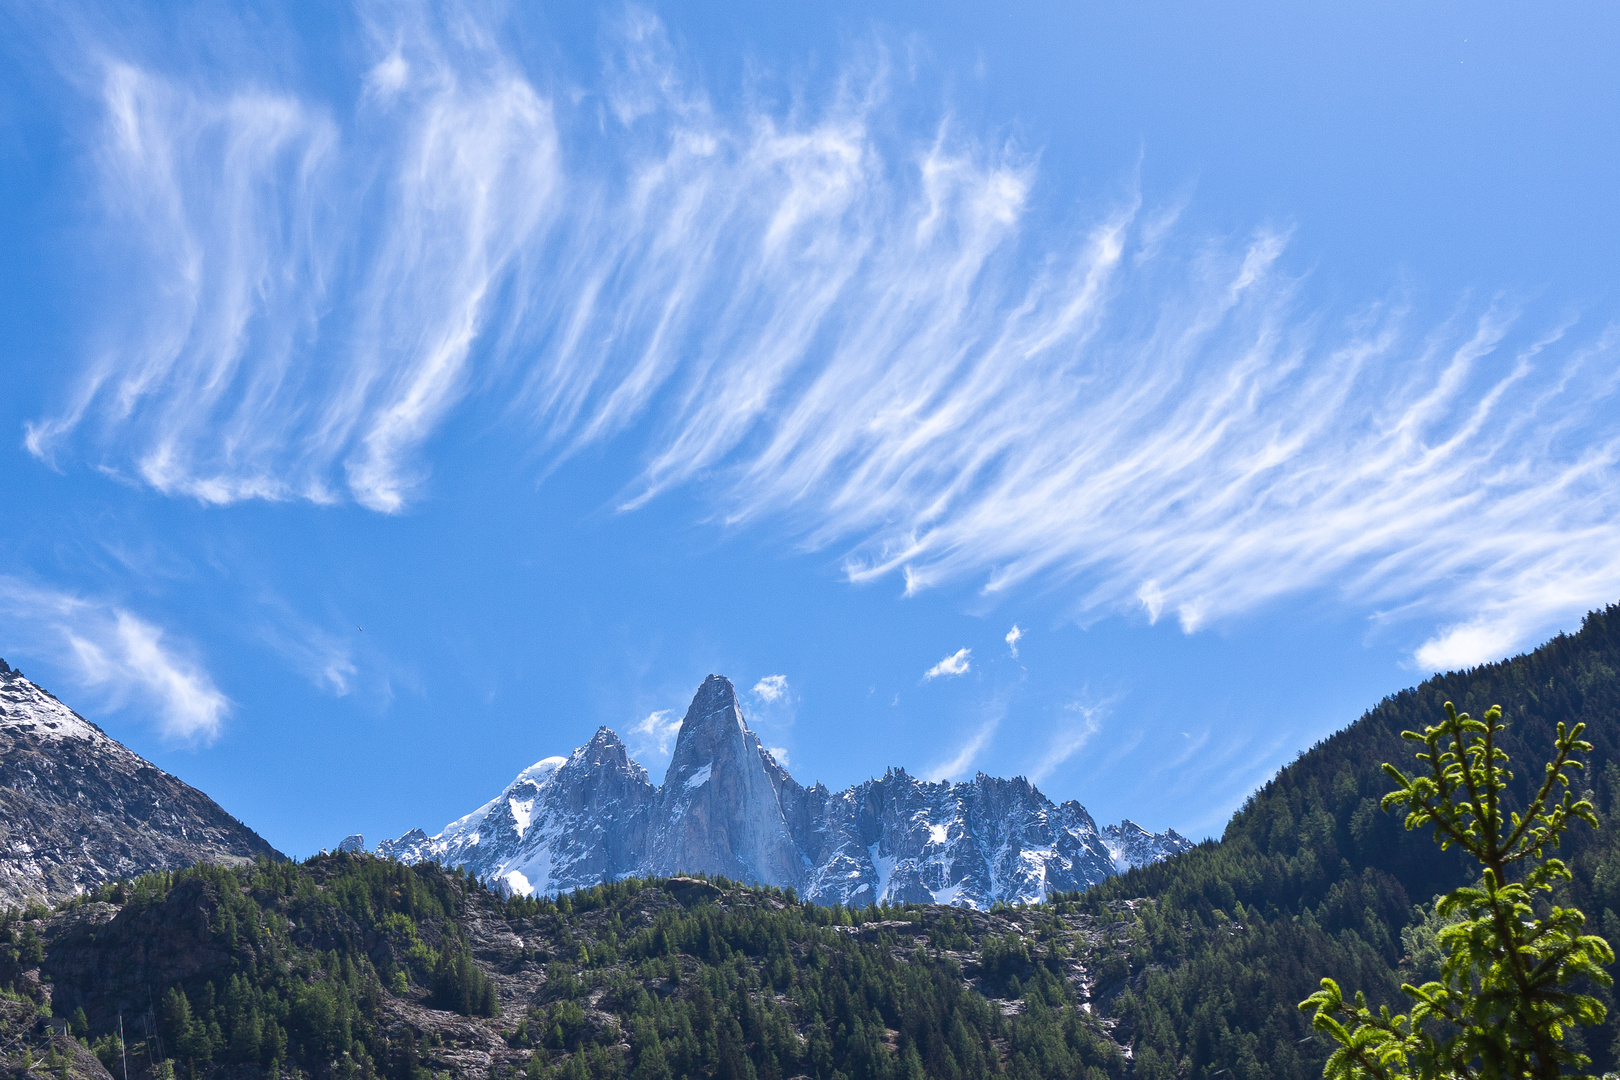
(728, 807)
(78, 808)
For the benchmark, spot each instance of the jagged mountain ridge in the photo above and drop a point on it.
(78, 808)
(728, 807)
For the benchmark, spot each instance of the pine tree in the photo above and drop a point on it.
(459, 985)
(1509, 986)
(175, 1022)
(651, 1063)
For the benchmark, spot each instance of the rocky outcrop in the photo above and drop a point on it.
(29, 1043)
(77, 808)
(728, 807)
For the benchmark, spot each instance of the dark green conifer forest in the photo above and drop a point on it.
(351, 966)
(328, 967)
(1312, 879)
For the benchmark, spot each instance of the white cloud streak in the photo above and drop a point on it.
(1014, 636)
(325, 659)
(967, 753)
(125, 659)
(1069, 738)
(955, 664)
(293, 311)
(881, 344)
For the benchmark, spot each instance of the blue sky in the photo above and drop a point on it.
(396, 397)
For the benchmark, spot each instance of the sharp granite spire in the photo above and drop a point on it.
(721, 808)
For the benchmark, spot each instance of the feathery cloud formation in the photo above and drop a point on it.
(118, 654)
(656, 733)
(967, 753)
(878, 343)
(1069, 737)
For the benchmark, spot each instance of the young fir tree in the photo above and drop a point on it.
(1509, 983)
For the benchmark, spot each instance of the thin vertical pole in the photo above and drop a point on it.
(124, 1057)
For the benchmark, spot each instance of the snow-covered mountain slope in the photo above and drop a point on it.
(901, 839)
(563, 823)
(78, 808)
(727, 807)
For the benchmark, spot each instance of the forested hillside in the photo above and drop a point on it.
(353, 966)
(1312, 879)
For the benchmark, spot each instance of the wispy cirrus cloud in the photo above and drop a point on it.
(1074, 730)
(326, 659)
(116, 653)
(292, 317)
(876, 339)
(967, 753)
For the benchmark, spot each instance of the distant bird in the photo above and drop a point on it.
(361, 629)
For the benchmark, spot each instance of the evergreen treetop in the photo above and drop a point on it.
(1510, 987)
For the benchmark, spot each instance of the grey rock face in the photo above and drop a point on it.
(414, 847)
(727, 807)
(901, 839)
(352, 842)
(77, 808)
(721, 807)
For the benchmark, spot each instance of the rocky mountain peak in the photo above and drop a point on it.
(28, 710)
(714, 694)
(1131, 845)
(606, 751)
(712, 730)
(722, 804)
(78, 808)
(727, 807)
(605, 739)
